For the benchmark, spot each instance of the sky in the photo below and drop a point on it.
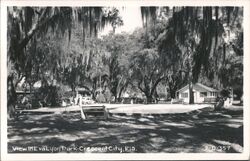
(131, 16)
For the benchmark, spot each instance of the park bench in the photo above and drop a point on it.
(88, 112)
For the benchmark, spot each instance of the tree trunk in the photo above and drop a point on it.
(11, 98)
(40, 22)
(73, 87)
(120, 92)
(172, 90)
(149, 92)
(149, 98)
(191, 93)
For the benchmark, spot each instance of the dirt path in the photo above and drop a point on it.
(127, 108)
(198, 131)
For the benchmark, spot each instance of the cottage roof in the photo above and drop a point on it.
(200, 87)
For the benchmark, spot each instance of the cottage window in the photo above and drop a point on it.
(214, 94)
(184, 95)
(203, 94)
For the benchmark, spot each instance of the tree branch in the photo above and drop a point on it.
(34, 29)
(139, 86)
(19, 80)
(40, 22)
(156, 83)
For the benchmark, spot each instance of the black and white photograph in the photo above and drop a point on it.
(124, 79)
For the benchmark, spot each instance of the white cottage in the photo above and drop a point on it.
(201, 92)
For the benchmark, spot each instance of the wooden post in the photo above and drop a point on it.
(82, 114)
(106, 115)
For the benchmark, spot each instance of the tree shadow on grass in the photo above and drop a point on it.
(190, 132)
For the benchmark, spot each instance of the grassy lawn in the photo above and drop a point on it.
(199, 131)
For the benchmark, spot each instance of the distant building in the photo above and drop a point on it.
(21, 92)
(83, 91)
(201, 93)
(125, 95)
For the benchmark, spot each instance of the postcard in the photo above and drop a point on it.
(125, 80)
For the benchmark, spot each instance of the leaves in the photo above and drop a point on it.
(176, 45)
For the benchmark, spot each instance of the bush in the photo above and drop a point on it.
(162, 96)
(51, 95)
(225, 93)
(100, 98)
(107, 95)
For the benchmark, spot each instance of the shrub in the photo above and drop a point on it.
(51, 95)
